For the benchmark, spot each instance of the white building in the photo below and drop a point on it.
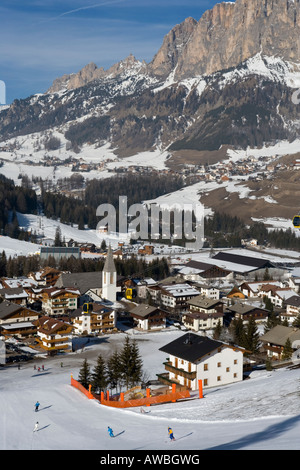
(93, 319)
(53, 335)
(175, 296)
(193, 357)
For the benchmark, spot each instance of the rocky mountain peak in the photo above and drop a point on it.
(225, 36)
(230, 33)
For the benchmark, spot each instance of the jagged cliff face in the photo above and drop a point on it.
(224, 37)
(230, 33)
(91, 72)
(225, 79)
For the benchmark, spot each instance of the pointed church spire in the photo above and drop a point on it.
(109, 265)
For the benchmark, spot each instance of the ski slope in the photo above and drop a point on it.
(261, 413)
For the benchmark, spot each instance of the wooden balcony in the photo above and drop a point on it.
(178, 371)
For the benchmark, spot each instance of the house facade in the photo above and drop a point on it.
(174, 297)
(94, 319)
(244, 311)
(275, 340)
(59, 301)
(147, 317)
(292, 309)
(193, 357)
(54, 335)
(18, 295)
(16, 319)
(203, 314)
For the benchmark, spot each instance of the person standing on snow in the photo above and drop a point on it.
(171, 435)
(110, 432)
(37, 406)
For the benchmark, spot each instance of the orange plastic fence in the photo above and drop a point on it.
(80, 387)
(147, 401)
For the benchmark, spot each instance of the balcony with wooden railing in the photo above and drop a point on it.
(191, 375)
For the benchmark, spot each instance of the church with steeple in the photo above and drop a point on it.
(109, 278)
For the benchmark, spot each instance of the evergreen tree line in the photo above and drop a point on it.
(122, 369)
(15, 199)
(223, 230)
(22, 265)
(83, 211)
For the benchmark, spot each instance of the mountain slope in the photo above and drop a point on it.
(227, 79)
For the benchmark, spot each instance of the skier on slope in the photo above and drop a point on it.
(110, 431)
(37, 406)
(171, 435)
(36, 426)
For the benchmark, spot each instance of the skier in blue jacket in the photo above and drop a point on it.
(110, 432)
(37, 406)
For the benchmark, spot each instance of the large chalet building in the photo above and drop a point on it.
(57, 301)
(203, 314)
(54, 335)
(193, 357)
(93, 318)
(16, 319)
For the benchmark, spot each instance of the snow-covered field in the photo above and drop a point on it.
(260, 413)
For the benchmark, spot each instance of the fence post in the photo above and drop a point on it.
(200, 388)
(148, 394)
(173, 391)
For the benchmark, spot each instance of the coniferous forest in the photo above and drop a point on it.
(221, 230)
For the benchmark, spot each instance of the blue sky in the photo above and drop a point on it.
(44, 39)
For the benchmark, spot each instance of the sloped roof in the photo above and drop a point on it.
(13, 292)
(279, 334)
(82, 281)
(8, 308)
(255, 262)
(191, 347)
(204, 302)
(109, 265)
(242, 308)
(49, 325)
(143, 310)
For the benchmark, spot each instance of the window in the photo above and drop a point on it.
(205, 366)
(219, 364)
(227, 369)
(235, 361)
(219, 378)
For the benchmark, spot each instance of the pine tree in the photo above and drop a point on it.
(137, 364)
(238, 331)
(57, 239)
(131, 363)
(296, 322)
(218, 330)
(114, 371)
(272, 321)
(99, 376)
(251, 336)
(126, 362)
(84, 375)
(287, 350)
